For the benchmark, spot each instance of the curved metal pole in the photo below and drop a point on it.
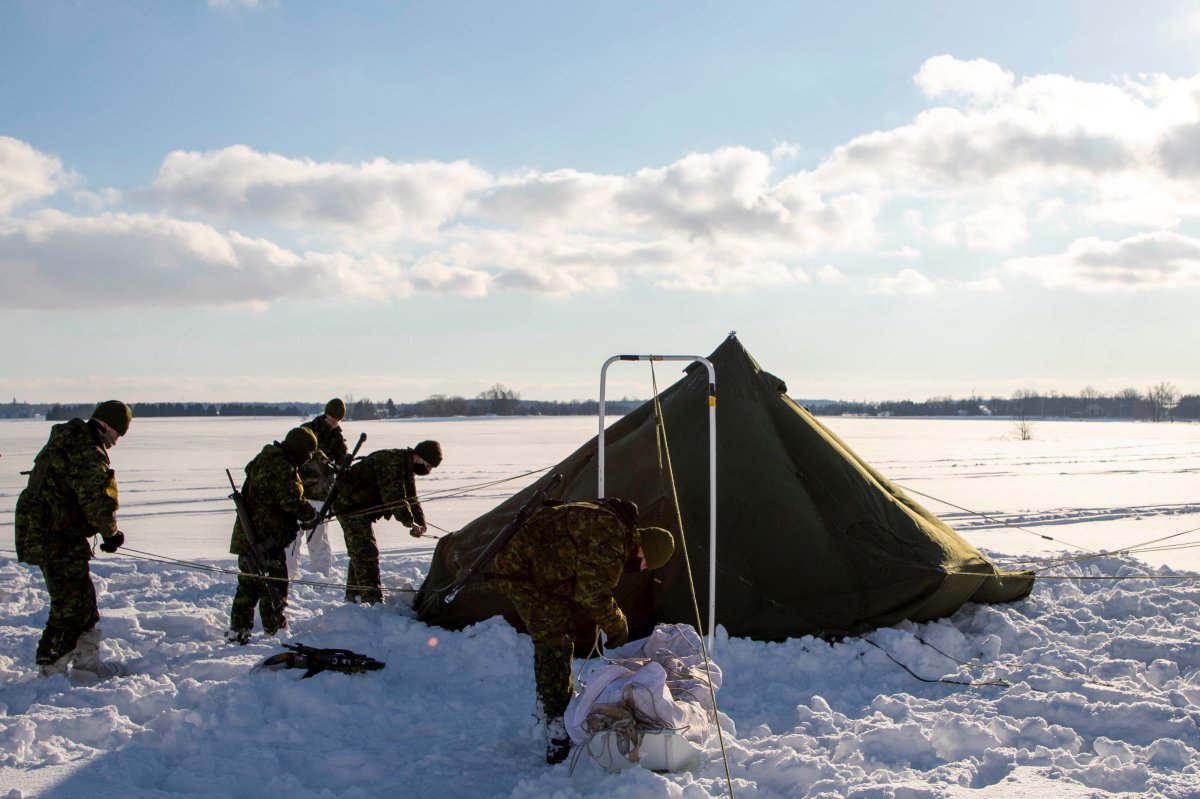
(712, 465)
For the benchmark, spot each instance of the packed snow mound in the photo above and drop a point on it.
(1089, 687)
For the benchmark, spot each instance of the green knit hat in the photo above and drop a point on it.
(300, 444)
(336, 408)
(657, 545)
(115, 414)
(430, 452)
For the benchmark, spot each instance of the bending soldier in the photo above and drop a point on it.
(380, 486)
(567, 559)
(72, 496)
(331, 446)
(274, 498)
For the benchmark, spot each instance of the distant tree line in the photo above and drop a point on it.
(142, 410)
(1162, 402)
(495, 401)
(1159, 403)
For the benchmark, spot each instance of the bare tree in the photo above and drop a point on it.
(501, 399)
(1021, 421)
(1091, 400)
(1163, 399)
(1127, 398)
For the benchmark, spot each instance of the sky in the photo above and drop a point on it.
(278, 201)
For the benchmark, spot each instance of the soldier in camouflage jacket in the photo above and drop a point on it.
(317, 475)
(567, 559)
(380, 486)
(71, 496)
(274, 498)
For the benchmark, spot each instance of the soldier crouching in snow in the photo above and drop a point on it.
(565, 559)
(274, 498)
(380, 486)
(72, 496)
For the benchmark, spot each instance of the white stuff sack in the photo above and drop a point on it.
(668, 685)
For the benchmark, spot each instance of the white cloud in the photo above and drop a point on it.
(27, 174)
(1158, 260)
(830, 275)
(995, 164)
(979, 79)
(997, 227)
(376, 197)
(52, 260)
(906, 281)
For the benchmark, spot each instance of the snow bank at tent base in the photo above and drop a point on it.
(1100, 695)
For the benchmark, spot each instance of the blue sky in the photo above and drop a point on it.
(285, 200)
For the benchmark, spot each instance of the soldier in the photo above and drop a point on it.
(72, 496)
(317, 474)
(274, 498)
(567, 559)
(380, 486)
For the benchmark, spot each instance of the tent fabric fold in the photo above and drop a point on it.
(810, 538)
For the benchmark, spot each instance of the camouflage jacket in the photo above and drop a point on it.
(381, 486)
(330, 439)
(317, 474)
(574, 551)
(274, 499)
(71, 496)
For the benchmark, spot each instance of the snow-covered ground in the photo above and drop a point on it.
(1090, 687)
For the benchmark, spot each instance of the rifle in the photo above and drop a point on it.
(317, 660)
(343, 466)
(503, 537)
(259, 557)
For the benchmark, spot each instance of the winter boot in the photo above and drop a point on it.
(87, 663)
(236, 636)
(558, 744)
(57, 667)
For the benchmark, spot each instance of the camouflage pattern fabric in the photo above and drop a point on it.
(317, 474)
(363, 582)
(73, 608)
(330, 439)
(566, 559)
(252, 592)
(381, 486)
(71, 496)
(275, 501)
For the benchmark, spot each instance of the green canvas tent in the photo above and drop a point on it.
(810, 539)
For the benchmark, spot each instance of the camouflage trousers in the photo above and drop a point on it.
(550, 622)
(252, 592)
(72, 608)
(363, 583)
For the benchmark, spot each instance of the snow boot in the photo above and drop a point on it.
(57, 667)
(558, 744)
(87, 664)
(236, 636)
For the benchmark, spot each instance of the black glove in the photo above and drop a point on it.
(417, 530)
(618, 635)
(113, 542)
(310, 522)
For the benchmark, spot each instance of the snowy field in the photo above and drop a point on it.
(1090, 687)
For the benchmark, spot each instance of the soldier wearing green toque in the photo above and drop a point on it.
(275, 502)
(564, 561)
(71, 497)
(380, 486)
(317, 474)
